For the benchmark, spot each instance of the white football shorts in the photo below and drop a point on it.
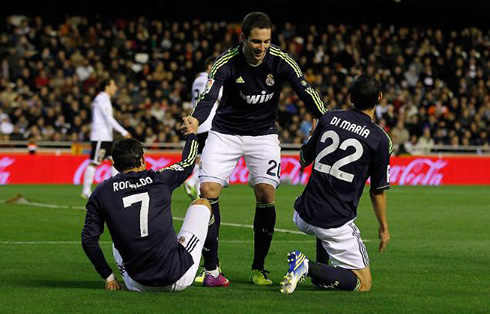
(343, 244)
(222, 152)
(192, 236)
(99, 151)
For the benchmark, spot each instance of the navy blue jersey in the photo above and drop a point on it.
(346, 149)
(136, 208)
(250, 97)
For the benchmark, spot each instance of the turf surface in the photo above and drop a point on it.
(437, 260)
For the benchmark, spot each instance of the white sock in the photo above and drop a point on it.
(193, 179)
(114, 172)
(198, 189)
(214, 273)
(88, 179)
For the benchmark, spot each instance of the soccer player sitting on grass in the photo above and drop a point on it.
(346, 148)
(135, 204)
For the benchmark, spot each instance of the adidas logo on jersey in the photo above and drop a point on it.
(240, 80)
(256, 99)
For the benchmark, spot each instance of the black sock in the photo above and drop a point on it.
(321, 257)
(321, 253)
(264, 222)
(210, 250)
(328, 276)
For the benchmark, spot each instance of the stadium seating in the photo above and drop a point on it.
(435, 81)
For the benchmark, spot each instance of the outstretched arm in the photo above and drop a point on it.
(93, 228)
(105, 109)
(212, 92)
(308, 151)
(177, 173)
(379, 205)
(298, 82)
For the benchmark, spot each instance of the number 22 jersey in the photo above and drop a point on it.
(346, 148)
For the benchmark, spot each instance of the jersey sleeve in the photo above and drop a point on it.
(308, 151)
(380, 174)
(211, 94)
(107, 114)
(303, 89)
(177, 173)
(93, 228)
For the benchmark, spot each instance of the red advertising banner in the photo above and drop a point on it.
(68, 169)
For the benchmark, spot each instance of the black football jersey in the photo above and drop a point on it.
(250, 98)
(136, 208)
(346, 149)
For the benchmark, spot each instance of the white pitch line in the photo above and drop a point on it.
(35, 204)
(228, 224)
(108, 242)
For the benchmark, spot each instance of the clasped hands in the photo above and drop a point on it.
(189, 126)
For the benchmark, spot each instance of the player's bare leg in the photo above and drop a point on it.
(364, 276)
(88, 179)
(264, 223)
(213, 277)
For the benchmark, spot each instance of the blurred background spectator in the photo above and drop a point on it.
(435, 81)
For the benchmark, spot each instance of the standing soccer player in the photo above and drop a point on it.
(346, 148)
(251, 75)
(191, 186)
(135, 204)
(101, 136)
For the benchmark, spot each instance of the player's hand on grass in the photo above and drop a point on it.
(113, 285)
(384, 238)
(189, 126)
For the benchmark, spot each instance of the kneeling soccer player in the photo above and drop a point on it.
(346, 148)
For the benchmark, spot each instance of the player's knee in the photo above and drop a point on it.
(364, 276)
(264, 193)
(365, 285)
(202, 201)
(366, 282)
(210, 189)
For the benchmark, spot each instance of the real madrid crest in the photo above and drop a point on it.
(269, 80)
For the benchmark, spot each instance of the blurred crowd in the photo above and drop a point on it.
(435, 81)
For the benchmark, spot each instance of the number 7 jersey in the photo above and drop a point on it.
(346, 149)
(136, 206)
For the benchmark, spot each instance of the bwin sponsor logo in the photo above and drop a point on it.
(257, 99)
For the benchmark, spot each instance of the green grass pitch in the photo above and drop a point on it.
(437, 261)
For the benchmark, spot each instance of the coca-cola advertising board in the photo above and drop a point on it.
(68, 169)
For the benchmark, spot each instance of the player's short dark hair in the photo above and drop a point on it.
(104, 83)
(364, 92)
(255, 20)
(127, 154)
